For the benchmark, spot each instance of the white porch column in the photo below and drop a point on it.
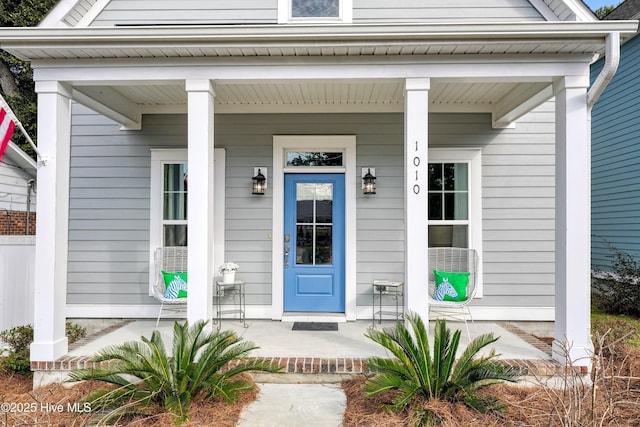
(200, 204)
(50, 293)
(573, 221)
(416, 161)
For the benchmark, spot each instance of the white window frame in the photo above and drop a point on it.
(345, 13)
(159, 158)
(472, 157)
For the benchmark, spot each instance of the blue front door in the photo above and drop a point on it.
(314, 242)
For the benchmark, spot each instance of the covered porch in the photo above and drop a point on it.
(501, 70)
(317, 356)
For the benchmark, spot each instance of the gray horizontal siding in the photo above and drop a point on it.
(13, 187)
(187, 12)
(368, 11)
(518, 213)
(615, 180)
(109, 226)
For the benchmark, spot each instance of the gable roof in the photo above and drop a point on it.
(82, 13)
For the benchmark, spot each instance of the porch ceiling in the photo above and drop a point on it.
(321, 96)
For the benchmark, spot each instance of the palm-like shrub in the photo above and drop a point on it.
(146, 375)
(417, 373)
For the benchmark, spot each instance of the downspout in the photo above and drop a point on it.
(30, 184)
(612, 60)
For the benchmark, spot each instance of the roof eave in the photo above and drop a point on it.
(19, 40)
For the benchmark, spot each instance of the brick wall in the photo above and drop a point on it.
(14, 223)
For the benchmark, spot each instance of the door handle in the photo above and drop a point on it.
(286, 256)
(287, 237)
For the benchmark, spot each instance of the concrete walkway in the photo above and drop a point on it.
(295, 405)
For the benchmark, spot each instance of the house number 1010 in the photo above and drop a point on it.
(416, 163)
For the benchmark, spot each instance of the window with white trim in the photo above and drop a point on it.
(315, 11)
(455, 197)
(455, 200)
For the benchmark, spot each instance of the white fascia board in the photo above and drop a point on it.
(56, 15)
(22, 159)
(521, 68)
(580, 9)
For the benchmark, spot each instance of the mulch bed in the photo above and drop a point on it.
(617, 402)
(41, 406)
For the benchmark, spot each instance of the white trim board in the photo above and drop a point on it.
(281, 143)
(263, 312)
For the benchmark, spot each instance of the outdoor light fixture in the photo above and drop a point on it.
(259, 181)
(368, 181)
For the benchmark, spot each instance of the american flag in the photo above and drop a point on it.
(7, 125)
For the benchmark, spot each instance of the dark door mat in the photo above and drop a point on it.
(314, 326)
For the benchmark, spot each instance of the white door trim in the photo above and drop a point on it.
(346, 143)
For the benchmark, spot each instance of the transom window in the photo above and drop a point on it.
(314, 158)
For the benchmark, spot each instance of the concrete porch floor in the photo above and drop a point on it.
(329, 355)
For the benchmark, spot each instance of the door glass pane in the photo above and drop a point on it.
(314, 8)
(323, 244)
(304, 244)
(314, 216)
(175, 192)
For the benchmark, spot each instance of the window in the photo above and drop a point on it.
(315, 8)
(455, 198)
(314, 11)
(174, 204)
(313, 158)
(168, 203)
(449, 204)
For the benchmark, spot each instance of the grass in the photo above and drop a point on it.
(600, 316)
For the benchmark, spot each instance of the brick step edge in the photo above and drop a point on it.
(322, 365)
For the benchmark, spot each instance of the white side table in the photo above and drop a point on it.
(395, 290)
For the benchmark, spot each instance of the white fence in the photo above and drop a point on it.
(17, 266)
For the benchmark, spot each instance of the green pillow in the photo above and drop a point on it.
(175, 284)
(451, 286)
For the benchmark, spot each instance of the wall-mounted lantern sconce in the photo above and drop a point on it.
(259, 180)
(369, 180)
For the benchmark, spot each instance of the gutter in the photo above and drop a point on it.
(612, 60)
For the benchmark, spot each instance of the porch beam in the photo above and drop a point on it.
(573, 222)
(200, 208)
(416, 159)
(518, 104)
(50, 292)
(110, 103)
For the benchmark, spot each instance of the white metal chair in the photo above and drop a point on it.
(456, 260)
(171, 259)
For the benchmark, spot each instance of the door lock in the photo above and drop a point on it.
(286, 256)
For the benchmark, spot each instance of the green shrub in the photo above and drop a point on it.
(20, 338)
(146, 375)
(417, 374)
(618, 291)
